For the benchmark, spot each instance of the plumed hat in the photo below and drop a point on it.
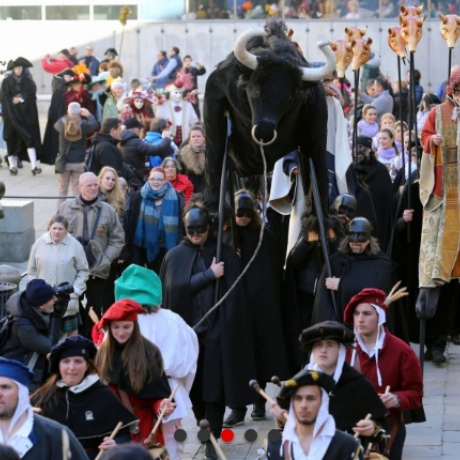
(139, 284)
(83, 78)
(303, 378)
(75, 345)
(327, 330)
(19, 62)
(69, 72)
(16, 371)
(139, 95)
(123, 310)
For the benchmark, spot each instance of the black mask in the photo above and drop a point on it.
(244, 205)
(359, 230)
(196, 221)
(345, 205)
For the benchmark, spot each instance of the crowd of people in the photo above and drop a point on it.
(118, 317)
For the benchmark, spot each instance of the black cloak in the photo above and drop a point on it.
(229, 342)
(357, 272)
(90, 415)
(56, 111)
(263, 288)
(21, 126)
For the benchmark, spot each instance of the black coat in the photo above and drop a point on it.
(21, 126)
(263, 287)
(55, 111)
(90, 414)
(135, 151)
(229, 362)
(107, 153)
(357, 272)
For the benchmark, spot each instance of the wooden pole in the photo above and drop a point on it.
(112, 437)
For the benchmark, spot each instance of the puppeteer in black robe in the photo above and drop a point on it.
(56, 111)
(263, 290)
(357, 272)
(229, 362)
(21, 126)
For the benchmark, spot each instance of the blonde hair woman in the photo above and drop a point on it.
(110, 187)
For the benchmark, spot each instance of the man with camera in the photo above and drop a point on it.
(34, 326)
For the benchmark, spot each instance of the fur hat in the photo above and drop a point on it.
(123, 310)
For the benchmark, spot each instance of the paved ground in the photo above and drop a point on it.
(439, 437)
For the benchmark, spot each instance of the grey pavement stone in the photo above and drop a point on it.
(451, 448)
(451, 436)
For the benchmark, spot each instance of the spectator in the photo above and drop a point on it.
(441, 92)
(159, 130)
(370, 88)
(370, 70)
(387, 151)
(353, 10)
(428, 102)
(98, 95)
(90, 60)
(401, 99)
(73, 130)
(399, 135)
(76, 92)
(368, 125)
(139, 106)
(180, 182)
(418, 88)
(383, 102)
(154, 220)
(33, 332)
(172, 67)
(158, 68)
(136, 87)
(19, 425)
(54, 66)
(110, 54)
(192, 158)
(195, 69)
(96, 225)
(74, 390)
(58, 257)
(106, 151)
(135, 151)
(116, 95)
(18, 96)
(73, 54)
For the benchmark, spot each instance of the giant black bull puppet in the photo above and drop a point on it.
(272, 94)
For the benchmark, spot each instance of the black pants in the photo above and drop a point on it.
(398, 444)
(94, 298)
(214, 411)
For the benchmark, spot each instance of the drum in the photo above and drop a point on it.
(159, 452)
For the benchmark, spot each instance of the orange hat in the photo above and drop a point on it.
(123, 310)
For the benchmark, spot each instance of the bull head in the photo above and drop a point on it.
(396, 41)
(411, 10)
(450, 28)
(354, 33)
(343, 54)
(308, 74)
(411, 30)
(361, 52)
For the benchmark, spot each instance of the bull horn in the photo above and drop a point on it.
(317, 73)
(403, 10)
(419, 9)
(333, 46)
(442, 17)
(241, 53)
(403, 20)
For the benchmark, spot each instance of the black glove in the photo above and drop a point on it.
(427, 302)
(60, 307)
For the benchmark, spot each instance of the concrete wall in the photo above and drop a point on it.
(208, 42)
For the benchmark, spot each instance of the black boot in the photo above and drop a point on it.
(209, 452)
(235, 418)
(258, 410)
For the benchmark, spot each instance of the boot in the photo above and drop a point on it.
(258, 410)
(235, 418)
(209, 452)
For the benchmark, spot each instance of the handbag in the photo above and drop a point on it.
(86, 242)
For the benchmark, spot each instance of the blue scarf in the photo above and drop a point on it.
(152, 227)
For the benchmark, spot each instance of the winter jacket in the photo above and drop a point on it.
(109, 238)
(75, 151)
(107, 153)
(59, 263)
(154, 138)
(135, 151)
(92, 63)
(182, 184)
(29, 334)
(193, 166)
(56, 66)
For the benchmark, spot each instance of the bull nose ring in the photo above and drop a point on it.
(261, 142)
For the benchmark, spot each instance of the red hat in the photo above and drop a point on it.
(123, 310)
(368, 295)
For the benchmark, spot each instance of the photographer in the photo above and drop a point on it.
(35, 326)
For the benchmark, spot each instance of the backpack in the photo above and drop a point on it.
(90, 160)
(5, 328)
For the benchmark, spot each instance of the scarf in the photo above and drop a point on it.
(386, 154)
(151, 227)
(367, 129)
(95, 97)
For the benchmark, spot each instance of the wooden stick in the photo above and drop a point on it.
(255, 386)
(149, 440)
(204, 425)
(387, 389)
(368, 417)
(112, 437)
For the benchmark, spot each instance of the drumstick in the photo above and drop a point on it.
(204, 425)
(387, 389)
(149, 440)
(255, 386)
(368, 417)
(112, 437)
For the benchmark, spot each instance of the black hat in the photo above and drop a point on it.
(39, 292)
(75, 345)
(111, 51)
(65, 52)
(359, 229)
(70, 72)
(244, 205)
(345, 205)
(19, 62)
(130, 123)
(366, 141)
(83, 78)
(327, 330)
(303, 378)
